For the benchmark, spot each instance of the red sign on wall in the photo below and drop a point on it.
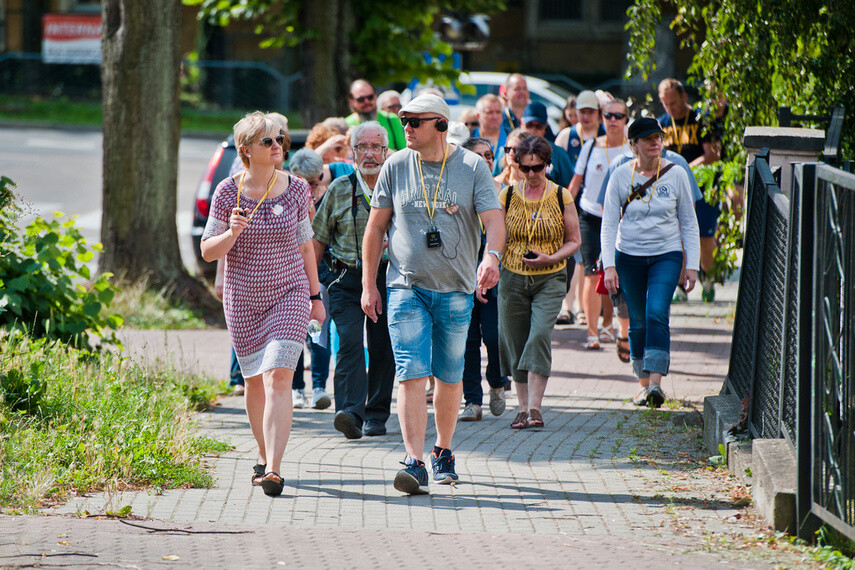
(70, 38)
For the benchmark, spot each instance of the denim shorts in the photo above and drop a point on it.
(428, 332)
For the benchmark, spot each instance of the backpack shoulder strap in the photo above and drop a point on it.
(561, 199)
(508, 197)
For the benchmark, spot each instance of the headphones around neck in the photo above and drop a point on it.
(442, 125)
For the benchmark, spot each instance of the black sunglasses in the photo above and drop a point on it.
(364, 98)
(472, 124)
(507, 149)
(267, 142)
(417, 122)
(525, 169)
(617, 116)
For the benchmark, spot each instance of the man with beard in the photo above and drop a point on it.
(362, 99)
(362, 401)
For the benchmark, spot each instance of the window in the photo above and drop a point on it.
(613, 10)
(559, 10)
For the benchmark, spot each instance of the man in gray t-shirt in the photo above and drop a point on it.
(429, 198)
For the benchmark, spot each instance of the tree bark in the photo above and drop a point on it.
(324, 60)
(140, 74)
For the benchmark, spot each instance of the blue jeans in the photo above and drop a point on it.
(320, 367)
(648, 283)
(235, 376)
(428, 330)
(484, 326)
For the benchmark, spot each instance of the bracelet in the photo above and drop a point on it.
(315, 297)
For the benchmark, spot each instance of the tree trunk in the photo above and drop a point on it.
(140, 75)
(324, 60)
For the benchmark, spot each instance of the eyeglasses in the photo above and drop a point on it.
(535, 125)
(417, 122)
(267, 142)
(394, 108)
(617, 116)
(472, 124)
(525, 169)
(364, 98)
(365, 148)
(488, 155)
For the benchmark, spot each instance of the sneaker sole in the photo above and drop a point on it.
(322, 403)
(447, 480)
(346, 425)
(655, 400)
(406, 483)
(469, 418)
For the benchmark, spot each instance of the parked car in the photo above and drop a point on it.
(216, 171)
(484, 82)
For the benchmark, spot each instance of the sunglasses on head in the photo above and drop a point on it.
(617, 116)
(417, 122)
(525, 169)
(364, 98)
(267, 142)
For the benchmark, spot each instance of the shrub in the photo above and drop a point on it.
(46, 289)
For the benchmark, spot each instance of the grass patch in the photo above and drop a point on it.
(73, 421)
(142, 307)
(61, 110)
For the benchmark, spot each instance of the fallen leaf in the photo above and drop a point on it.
(171, 557)
(63, 542)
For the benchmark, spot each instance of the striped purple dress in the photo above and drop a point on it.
(266, 291)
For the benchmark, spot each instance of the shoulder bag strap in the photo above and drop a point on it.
(508, 197)
(642, 190)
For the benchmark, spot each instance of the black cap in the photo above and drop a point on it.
(643, 127)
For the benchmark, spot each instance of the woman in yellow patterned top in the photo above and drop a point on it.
(543, 231)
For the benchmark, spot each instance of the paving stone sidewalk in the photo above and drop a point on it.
(573, 492)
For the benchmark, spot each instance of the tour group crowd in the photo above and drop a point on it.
(399, 241)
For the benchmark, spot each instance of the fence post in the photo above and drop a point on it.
(806, 523)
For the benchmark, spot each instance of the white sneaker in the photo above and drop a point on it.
(298, 398)
(320, 399)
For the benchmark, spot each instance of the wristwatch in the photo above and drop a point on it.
(315, 297)
(498, 254)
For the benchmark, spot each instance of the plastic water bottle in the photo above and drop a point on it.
(315, 328)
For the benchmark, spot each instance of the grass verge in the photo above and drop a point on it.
(142, 307)
(73, 421)
(61, 110)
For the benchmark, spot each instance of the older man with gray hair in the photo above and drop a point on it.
(362, 401)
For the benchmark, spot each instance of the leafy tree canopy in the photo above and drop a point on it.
(387, 42)
(759, 55)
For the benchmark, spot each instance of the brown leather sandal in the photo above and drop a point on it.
(520, 421)
(623, 348)
(535, 419)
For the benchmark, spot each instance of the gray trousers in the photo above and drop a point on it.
(528, 307)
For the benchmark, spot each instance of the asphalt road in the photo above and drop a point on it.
(60, 170)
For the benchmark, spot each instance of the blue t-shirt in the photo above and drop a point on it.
(574, 145)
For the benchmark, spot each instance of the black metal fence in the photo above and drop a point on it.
(793, 353)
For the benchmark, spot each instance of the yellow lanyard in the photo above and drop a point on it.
(536, 214)
(678, 133)
(606, 146)
(655, 184)
(269, 186)
(431, 212)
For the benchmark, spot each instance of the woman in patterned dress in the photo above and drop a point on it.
(259, 222)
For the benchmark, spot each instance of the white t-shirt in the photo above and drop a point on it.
(662, 221)
(593, 165)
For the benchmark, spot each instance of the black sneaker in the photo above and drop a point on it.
(345, 422)
(374, 427)
(443, 467)
(655, 396)
(413, 480)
